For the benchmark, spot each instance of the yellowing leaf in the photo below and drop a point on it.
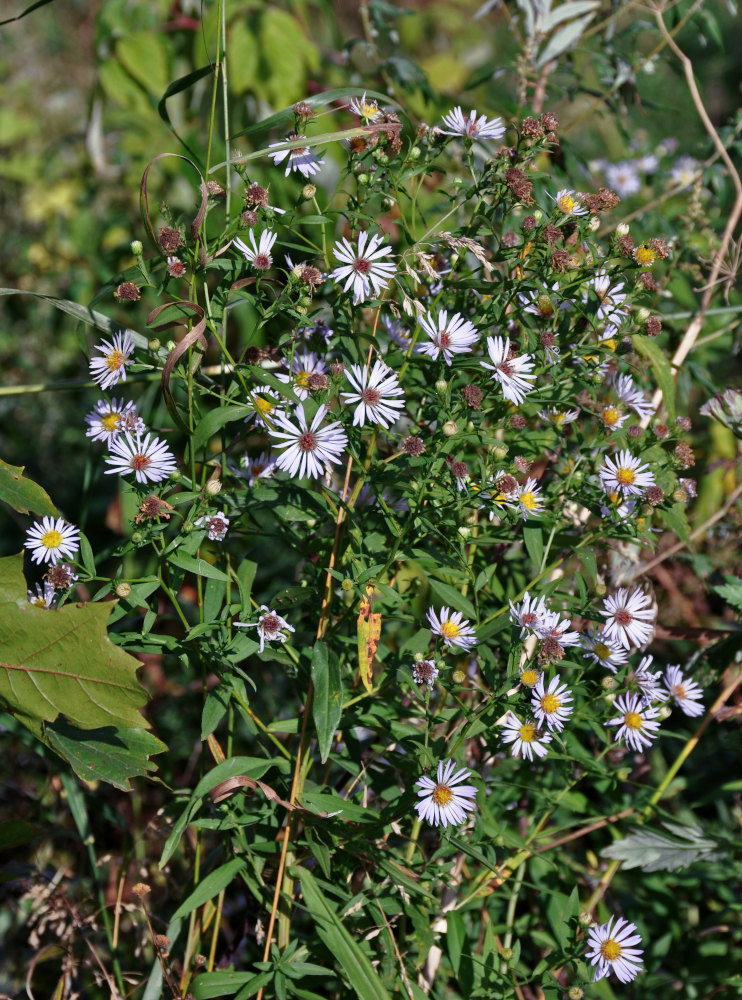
(369, 633)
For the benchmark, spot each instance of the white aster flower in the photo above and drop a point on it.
(374, 393)
(111, 368)
(626, 474)
(631, 396)
(648, 682)
(610, 299)
(472, 127)
(611, 948)
(447, 336)
(636, 722)
(258, 254)
(685, 171)
(217, 525)
(530, 614)
(363, 269)
(568, 202)
(149, 459)
(559, 418)
(50, 539)
(366, 109)
(450, 627)
(44, 597)
(526, 737)
(300, 158)
(108, 419)
(308, 448)
(264, 401)
(623, 177)
(513, 374)
(603, 650)
(425, 672)
(530, 675)
(613, 417)
(446, 801)
(396, 332)
(303, 365)
(269, 626)
(554, 627)
(529, 499)
(629, 617)
(686, 693)
(261, 467)
(551, 705)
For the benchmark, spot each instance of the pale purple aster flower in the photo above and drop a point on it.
(625, 474)
(308, 448)
(111, 368)
(636, 722)
(108, 419)
(612, 948)
(375, 393)
(446, 801)
(447, 336)
(527, 738)
(217, 525)
(149, 459)
(258, 254)
(472, 127)
(629, 617)
(513, 374)
(450, 627)
(49, 539)
(363, 269)
(685, 692)
(300, 158)
(270, 626)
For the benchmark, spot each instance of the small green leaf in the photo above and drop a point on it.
(210, 886)
(216, 419)
(225, 982)
(452, 598)
(731, 591)
(23, 495)
(534, 542)
(198, 566)
(677, 521)
(654, 851)
(328, 697)
(662, 370)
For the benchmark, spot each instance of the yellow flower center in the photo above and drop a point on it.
(263, 405)
(678, 691)
(529, 678)
(645, 255)
(302, 379)
(38, 601)
(442, 795)
(114, 360)
(601, 650)
(566, 204)
(558, 419)
(610, 344)
(450, 629)
(51, 539)
(550, 703)
(528, 732)
(633, 720)
(110, 421)
(368, 110)
(611, 415)
(626, 475)
(610, 949)
(528, 500)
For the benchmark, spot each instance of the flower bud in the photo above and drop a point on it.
(574, 993)
(464, 531)
(600, 590)
(457, 181)
(188, 527)
(664, 712)
(458, 676)
(309, 191)
(170, 346)
(450, 428)
(594, 224)
(363, 179)
(500, 452)
(347, 584)
(213, 486)
(137, 248)
(585, 918)
(622, 229)
(538, 215)
(608, 683)
(507, 954)
(123, 590)
(642, 315)
(440, 386)
(154, 344)
(623, 774)
(414, 153)
(137, 537)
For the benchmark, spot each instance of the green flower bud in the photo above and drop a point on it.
(308, 191)
(458, 676)
(586, 919)
(642, 315)
(137, 537)
(464, 531)
(137, 248)
(414, 153)
(170, 346)
(575, 993)
(123, 590)
(440, 386)
(154, 344)
(188, 527)
(450, 428)
(363, 179)
(347, 584)
(500, 451)
(214, 486)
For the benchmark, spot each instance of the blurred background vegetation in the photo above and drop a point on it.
(83, 114)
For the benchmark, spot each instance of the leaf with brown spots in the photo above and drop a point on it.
(369, 633)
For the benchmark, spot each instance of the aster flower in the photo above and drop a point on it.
(612, 948)
(530, 676)
(553, 625)
(631, 396)
(450, 627)
(501, 490)
(217, 525)
(551, 705)
(425, 672)
(648, 682)
(526, 737)
(446, 801)
(685, 693)
(301, 158)
(303, 365)
(111, 368)
(630, 617)
(61, 576)
(264, 401)
(603, 650)
(261, 467)
(559, 418)
(50, 539)
(149, 459)
(623, 177)
(363, 269)
(540, 304)
(396, 332)
(44, 597)
(472, 127)
(375, 393)
(447, 337)
(529, 499)
(685, 171)
(108, 419)
(308, 448)
(513, 374)
(610, 299)
(269, 626)
(569, 203)
(366, 110)
(636, 722)
(531, 614)
(613, 417)
(258, 254)
(626, 474)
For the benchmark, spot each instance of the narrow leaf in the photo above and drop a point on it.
(452, 598)
(661, 367)
(369, 633)
(198, 566)
(214, 420)
(211, 886)
(328, 697)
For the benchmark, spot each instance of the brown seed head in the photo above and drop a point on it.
(660, 247)
(161, 942)
(152, 507)
(531, 128)
(509, 239)
(546, 339)
(215, 189)
(127, 292)
(648, 281)
(311, 276)
(317, 381)
(141, 890)
(550, 650)
(506, 484)
(626, 245)
(60, 576)
(684, 423)
(303, 111)
(684, 455)
(413, 446)
(517, 422)
(522, 464)
(337, 368)
(608, 198)
(528, 223)
(255, 194)
(519, 184)
(655, 496)
(660, 431)
(473, 396)
(550, 121)
(653, 327)
(169, 239)
(249, 218)
(635, 432)
(459, 469)
(552, 234)
(560, 260)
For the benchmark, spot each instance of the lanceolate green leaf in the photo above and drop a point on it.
(23, 494)
(662, 370)
(328, 697)
(211, 886)
(361, 974)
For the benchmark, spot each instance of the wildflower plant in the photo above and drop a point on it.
(375, 515)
